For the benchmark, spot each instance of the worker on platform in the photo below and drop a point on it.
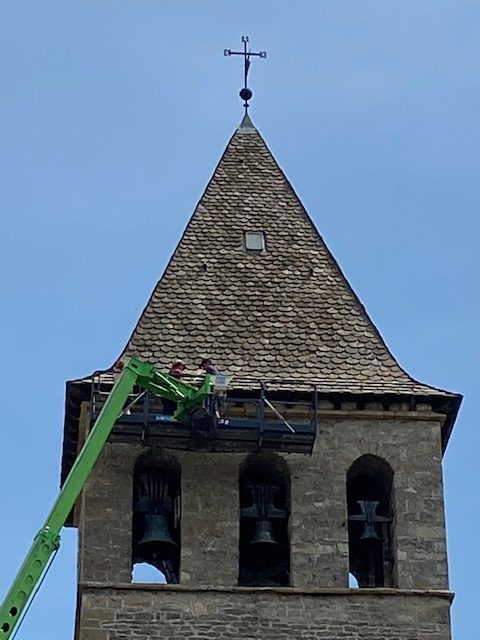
(117, 368)
(207, 366)
(215, 401)
(177, 369)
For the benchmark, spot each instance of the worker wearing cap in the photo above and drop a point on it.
(177, 369)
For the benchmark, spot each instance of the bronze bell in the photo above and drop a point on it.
(154, 507)
(263, 536)
(264, 511)
(156, 543)
(369, 518)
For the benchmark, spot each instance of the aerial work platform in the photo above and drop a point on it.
(244, 417)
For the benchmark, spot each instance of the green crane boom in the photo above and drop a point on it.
(47, 540)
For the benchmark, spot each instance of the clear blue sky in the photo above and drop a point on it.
(113, 114)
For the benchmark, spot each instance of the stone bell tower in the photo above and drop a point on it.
(322, 471)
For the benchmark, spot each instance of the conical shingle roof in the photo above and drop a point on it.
(286, 312)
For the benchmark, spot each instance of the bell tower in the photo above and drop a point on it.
(313, 506)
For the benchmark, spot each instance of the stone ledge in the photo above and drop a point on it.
(281, 591)
(361, 414)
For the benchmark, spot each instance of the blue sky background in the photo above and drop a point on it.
(113, 115)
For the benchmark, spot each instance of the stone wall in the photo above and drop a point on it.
(168, 613)
(106, 516)
(319, 535)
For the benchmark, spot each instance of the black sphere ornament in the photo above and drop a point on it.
(245, 94)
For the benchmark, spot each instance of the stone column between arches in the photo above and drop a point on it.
(210, 518)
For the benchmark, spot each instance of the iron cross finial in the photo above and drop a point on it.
(245, 93)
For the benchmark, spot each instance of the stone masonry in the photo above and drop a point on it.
(207, 603)
(240, 614)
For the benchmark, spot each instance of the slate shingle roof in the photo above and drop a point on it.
(287, 312)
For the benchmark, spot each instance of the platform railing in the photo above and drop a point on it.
(257, 417)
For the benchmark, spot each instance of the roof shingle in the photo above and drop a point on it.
(287, 312)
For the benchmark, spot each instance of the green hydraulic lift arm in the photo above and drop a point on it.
(47, 540)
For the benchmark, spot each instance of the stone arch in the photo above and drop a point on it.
(264, 544)
(157, 513)
(370, 503)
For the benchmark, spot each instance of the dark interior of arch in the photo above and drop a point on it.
(264, 553)
(156, 514)
(370, 521)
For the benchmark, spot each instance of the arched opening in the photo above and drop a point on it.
(370, 521)
(156, 518)
(264, 553)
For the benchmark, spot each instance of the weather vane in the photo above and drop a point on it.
(245, 93)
